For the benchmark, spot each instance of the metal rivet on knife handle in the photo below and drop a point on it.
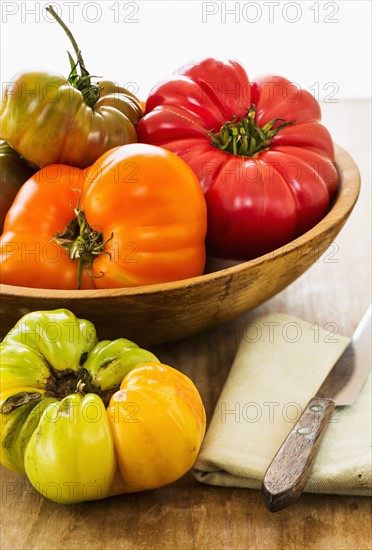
(290, 469)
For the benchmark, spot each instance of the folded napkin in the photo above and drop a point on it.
(280, 364)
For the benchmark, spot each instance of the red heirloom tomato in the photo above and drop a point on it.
(264, 161)
(137, 216)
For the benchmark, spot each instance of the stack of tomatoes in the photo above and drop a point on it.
(86, 419)
(98, 194)
(243, 167)
(104, 211)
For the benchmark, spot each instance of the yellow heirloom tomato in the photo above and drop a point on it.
(158, 422)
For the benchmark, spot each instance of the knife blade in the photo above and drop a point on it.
(288, 472)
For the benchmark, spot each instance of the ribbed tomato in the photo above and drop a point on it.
(50, 119)
(136, 217)
(264, 161)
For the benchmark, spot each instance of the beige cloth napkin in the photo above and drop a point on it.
(280, 364)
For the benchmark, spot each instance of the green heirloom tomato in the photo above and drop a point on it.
(14, 171)
(70, 456)
(49, 119)
(18, 422)
(56, 380)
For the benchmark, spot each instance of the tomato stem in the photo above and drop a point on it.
(80, 387)
(82, 82)
(244, 137)
(82, 243)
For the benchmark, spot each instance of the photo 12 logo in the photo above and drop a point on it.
(270, 12)
(90, 12)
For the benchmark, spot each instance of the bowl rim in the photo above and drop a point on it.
(344, 202)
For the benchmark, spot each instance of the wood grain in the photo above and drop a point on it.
(167, 312)
(290, 468)
(191, 516)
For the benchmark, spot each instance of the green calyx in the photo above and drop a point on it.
(244, 137)
(82, 81)
(82, 243)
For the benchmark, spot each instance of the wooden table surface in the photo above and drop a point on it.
(188, 515)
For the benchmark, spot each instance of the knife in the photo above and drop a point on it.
(290, 469)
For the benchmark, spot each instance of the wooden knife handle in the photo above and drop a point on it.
(290, 469)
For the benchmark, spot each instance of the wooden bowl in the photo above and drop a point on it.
(161, 313)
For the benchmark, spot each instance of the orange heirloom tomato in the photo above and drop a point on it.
(136, 217)
(158, 423)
